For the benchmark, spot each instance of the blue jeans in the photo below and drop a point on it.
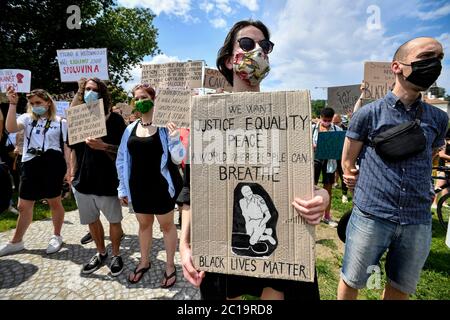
(368, 238)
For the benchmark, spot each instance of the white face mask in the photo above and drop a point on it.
(252, 66)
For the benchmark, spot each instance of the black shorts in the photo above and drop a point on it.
(320, 166)
(42, 177)
(220, 286)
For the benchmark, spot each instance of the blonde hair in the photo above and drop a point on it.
(44, 95)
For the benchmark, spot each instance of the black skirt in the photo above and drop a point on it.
(42, 177)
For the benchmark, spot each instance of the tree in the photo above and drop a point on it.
(31, 31)
(317, 106)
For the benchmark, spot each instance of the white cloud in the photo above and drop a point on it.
(251, 5)
(206, 6)
(218, 23)
(321, 44)
(433, 15)
(224, 6)
(136, 71)
(170, 7)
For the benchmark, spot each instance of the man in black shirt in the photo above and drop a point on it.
(95, 179)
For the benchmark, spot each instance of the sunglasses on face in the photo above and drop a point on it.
(248, 44)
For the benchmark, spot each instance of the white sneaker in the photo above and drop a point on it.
(333, 224)
(55, 244)
(9, 248)
(344, 199)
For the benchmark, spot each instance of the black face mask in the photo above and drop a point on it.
(424, 72)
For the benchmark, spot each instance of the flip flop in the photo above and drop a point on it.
(141, 271)
(166, 278)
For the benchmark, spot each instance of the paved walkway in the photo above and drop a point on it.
(32, 274)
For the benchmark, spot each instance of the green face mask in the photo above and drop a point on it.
(144, 106)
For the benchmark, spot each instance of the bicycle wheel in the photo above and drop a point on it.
(443, 210)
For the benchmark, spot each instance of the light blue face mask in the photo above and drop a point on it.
(39, 110)
(90, 96)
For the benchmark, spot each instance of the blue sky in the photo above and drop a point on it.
(318, 43)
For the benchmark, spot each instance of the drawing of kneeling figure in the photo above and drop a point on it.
(255, 238)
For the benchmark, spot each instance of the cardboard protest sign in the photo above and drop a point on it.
(330, 144)
(86, 120)
(215, 80)
(75, 64)
(68, 96)
(172, 106)
(343, 99)
(125, 108)
(19, 79)
(378, 79)
(61, 107)
(251, 155)
(173, 75)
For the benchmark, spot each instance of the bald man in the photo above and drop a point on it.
(392, 199)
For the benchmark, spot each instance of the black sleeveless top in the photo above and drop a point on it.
(149, 189)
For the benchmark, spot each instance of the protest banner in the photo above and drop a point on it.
(215, 80)
(19, 79)
(86, 120)
(173, 75)
(251, 155)
(330, 144)
(342, 99)
(61, 107)
(68, 96)
(378, 80)
(75, 64)
(172, 106)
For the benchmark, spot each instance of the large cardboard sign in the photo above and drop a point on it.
(173, 75)
(125, 108)
(75, 64)
(343, 99)
(86, 120)
(330, 144)
(61, 107)
(19, 79)
(378, 79)
(251, 155)
(172, 106)
(215, 80)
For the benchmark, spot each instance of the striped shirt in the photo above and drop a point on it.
(401, 191)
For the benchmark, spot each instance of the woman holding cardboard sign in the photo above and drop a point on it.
(150, 181)
(243, 60)
(43, 165)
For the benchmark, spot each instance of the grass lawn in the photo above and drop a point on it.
(41, 211)
(435, 278)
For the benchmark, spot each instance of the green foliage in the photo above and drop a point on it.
(317, 106)
(31, 31)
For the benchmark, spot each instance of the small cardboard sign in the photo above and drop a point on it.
(215, 80)
(68, 96)
(186, 75)
(330, 144)
(75, 64)
(61, 107)
(172, 106)
(378, 80)
(19, 79)
(343, 99)
(251, 155)
(125, 108)
(86, 121)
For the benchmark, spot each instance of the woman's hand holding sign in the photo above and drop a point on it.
(313, 210)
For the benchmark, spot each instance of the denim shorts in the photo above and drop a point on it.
(369, 237)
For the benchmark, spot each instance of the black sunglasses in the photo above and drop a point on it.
(248, 44)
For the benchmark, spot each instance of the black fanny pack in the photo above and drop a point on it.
(402, 141)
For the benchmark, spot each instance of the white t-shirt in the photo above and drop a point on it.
(52, 136)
